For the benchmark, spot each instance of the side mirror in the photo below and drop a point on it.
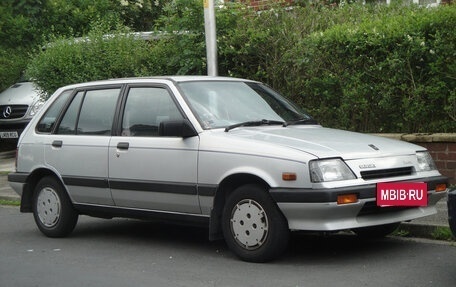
(178, 128)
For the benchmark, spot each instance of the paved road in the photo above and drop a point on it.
(124, 252)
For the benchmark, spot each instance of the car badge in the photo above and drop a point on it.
(373, 147)
(7, 112)
(364, 166)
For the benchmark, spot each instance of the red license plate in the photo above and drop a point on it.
(402, 194)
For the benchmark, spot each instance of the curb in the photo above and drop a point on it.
(9, 198)
(7, 154)
(415, 230)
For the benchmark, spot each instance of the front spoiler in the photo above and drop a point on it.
(317, 210)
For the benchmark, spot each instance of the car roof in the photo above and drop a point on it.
(176, 79)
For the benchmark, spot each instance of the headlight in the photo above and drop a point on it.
(329, 170)
(36, 107)
(425, 161)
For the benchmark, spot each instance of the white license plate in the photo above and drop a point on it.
(8, 135)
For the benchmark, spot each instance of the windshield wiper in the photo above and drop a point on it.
(306, 121)
(254, 123)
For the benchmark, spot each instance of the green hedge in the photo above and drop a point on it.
(12, 65)
(392, 74)
(368, 68)
(95, 57)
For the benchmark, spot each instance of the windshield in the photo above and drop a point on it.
(219, 104)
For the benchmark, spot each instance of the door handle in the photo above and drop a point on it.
(123, 145)
(57, 143)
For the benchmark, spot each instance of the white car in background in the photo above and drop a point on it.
(18, 104)
(230, 154)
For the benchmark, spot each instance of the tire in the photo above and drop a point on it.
(253, 226)
(52, 209)
(378, 231)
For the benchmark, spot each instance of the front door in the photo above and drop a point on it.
(148, 171)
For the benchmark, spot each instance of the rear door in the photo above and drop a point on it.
(148, 171)
(78, 149)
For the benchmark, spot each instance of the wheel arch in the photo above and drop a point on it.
(225, 188)
(32, 181)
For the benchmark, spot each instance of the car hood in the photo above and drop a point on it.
(22, 93)
(324, 142)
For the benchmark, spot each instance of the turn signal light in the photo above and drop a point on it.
(289, 176)
(347, 198)
(440, 187)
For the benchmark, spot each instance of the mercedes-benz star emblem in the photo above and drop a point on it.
(7, 112)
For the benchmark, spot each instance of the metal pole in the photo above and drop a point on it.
(211, 37)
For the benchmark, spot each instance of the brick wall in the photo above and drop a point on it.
(441, 146)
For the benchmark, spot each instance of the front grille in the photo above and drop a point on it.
(385, 173)
(371, 207)
(12, 111)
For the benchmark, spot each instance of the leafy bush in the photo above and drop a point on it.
(95, 57)
(391, 74)
(368, 68)
(182, 50)
(26, 24)
(12, 65)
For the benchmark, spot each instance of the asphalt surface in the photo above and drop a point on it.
(123, 252)
(422, 227)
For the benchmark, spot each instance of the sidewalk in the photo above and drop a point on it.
(420, 226)
(7, 163)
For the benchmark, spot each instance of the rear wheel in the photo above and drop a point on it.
(378, 231)
(52, 209)
(253, 226)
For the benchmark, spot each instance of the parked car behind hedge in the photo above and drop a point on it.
(18, 104)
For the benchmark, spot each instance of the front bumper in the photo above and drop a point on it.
(317, 210)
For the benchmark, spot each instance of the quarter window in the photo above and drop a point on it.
(145, 108)
(68, 124)
(47, 122)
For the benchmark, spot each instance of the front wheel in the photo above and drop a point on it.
(52, 209)
(253, 226)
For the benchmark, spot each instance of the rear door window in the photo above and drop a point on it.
(97, 112)
(90, 113)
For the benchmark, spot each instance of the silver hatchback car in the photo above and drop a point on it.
(230, 154)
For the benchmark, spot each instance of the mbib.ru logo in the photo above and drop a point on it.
(402, 194)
